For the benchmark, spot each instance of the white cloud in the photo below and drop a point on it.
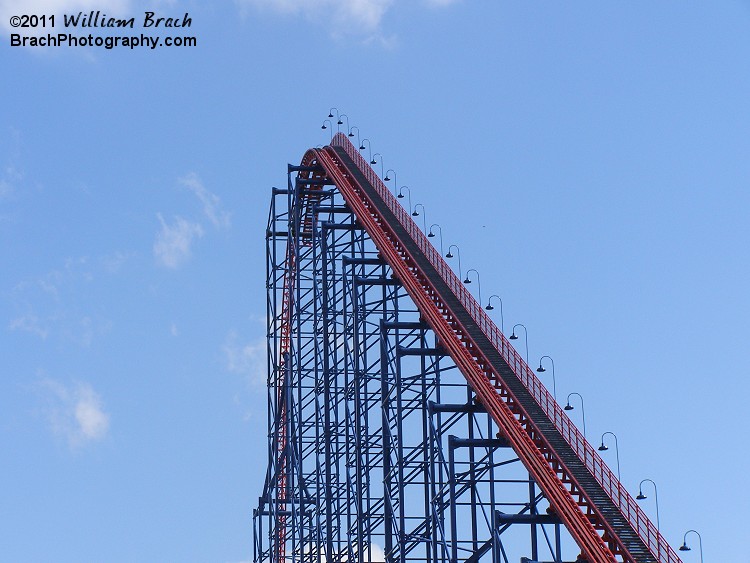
(211, 202)
(75, 412)
(5, 189)
(10, 8)
(355, 16)
(30, 323)
(11, 174)
(246, 358)
(57, 304)
(83, 332)
(112, 263)
(172, 245)
(342, 17)
(373, 554)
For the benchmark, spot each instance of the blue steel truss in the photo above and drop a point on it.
(378, 449)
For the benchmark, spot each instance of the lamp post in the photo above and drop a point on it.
(604, 448)
(388, 178)
(374, 161)
(352, 128)
(458, 252)
(479, 284)
(569, 407)
(525, 337)
(347, 121)
(369, 146)
(415, 213)
(489, 307)
(541, 369)
(338, 119)
(401, 195)
(431, 235)
(684, 546)
(641, 496)
(324, 126)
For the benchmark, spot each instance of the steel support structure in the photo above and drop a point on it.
(383, 444)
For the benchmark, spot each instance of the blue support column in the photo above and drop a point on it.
(387, 456)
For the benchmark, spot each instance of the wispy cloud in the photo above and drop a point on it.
(55, 304)
(29, 322)
(355, 16)
(75, 412)
(11, 173)
(113, 263)
(172, 247)
(246, 358)
(211, 202)
(352, 18)
(373, 554)
(6, 189)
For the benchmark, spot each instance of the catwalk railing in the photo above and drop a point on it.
(619, 495)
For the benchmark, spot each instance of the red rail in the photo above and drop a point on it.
(588, 455)
(281, 404)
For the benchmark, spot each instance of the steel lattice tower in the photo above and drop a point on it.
(402, 424)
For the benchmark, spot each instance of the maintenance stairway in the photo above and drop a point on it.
(600, 514)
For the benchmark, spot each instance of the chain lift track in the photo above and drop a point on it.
(345, 235)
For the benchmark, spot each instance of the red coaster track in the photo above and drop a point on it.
(599, 513)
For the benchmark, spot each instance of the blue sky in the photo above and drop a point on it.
(590, 160)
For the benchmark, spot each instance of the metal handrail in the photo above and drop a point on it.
(567, 429)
